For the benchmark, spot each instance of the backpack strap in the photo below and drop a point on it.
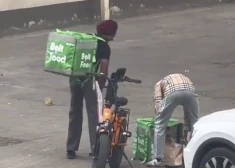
(90, 77)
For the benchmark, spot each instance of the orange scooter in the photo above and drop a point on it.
(112, 132)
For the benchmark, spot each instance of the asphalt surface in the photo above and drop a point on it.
(198, 43)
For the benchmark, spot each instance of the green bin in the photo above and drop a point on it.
(144, 135)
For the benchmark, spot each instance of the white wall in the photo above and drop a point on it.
(19, 4)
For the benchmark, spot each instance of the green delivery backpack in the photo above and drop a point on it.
(71, 53)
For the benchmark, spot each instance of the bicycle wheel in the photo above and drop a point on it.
(103, 151)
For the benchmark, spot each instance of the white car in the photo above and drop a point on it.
(213, 142)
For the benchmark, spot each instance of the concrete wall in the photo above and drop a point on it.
(79, 12)
(128, 8)
(6, 5)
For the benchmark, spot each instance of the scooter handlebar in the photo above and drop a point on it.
(125, 79)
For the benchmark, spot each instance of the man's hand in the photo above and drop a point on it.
(157, 106)
(104, 66)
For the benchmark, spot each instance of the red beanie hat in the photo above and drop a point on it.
(107, 27)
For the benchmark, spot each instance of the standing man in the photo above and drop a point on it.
(170, 92)
(107, 31)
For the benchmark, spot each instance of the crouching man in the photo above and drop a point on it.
(170, 92)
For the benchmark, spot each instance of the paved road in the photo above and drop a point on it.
(198, 42)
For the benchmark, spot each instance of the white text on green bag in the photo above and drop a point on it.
(57, 48)
(84, 58)
(58, 59)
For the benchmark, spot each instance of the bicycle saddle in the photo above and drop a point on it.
(121, 101)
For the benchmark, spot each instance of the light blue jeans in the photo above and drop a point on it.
(189, 101)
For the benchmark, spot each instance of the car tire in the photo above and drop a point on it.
(183, 165)
(221, 153)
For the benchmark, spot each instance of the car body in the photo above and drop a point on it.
(213, 140)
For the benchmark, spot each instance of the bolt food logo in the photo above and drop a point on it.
(85, 60)
(57, 49)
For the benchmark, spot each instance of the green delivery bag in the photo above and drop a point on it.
(71, 53)
(144, 135)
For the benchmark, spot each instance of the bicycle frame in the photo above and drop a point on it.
(112, 120)
(112, 131)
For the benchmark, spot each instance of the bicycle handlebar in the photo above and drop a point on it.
(125, 79)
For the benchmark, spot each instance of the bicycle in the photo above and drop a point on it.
(112, 132)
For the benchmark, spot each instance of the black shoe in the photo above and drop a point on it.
(71, 155)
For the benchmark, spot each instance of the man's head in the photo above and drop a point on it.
(107, 29)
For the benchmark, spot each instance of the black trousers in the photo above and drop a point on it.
(79, 93)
